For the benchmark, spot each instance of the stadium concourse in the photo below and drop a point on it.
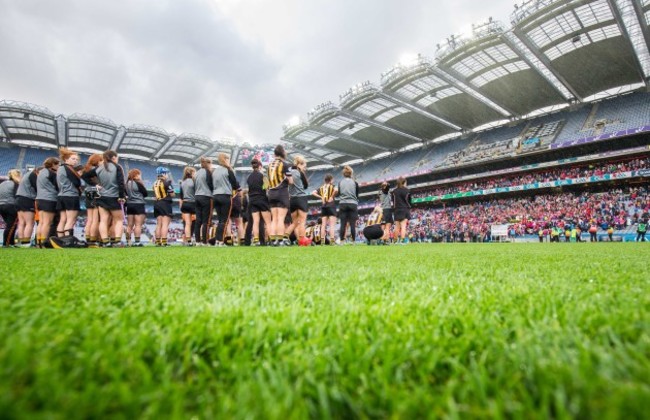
(501, 113)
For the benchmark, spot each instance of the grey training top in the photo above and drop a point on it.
(348, 191)
(7, 193)
(298, 188)
(27, 188)
(385, 200)
(187, 190)
(46, 187)
(201, 183)
(109, 180)
(224, 181)
(133, 194)
(66, 185)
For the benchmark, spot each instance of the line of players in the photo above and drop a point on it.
(276, 203)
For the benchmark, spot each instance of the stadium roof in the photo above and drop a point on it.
(28, 124)
(554, 53)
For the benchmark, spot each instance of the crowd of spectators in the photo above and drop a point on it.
(552, 174)
(618, 208)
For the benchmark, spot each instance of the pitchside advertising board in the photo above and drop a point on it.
(499, 231)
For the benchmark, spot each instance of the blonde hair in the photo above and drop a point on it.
(188, 172)
(299, 160)
(347, 171)
(221, 160)
(14, 175)
(205, 162)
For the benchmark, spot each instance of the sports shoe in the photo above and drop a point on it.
(60, 242)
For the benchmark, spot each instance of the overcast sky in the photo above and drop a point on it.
(221, 68)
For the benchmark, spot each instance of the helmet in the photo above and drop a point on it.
(161, 171)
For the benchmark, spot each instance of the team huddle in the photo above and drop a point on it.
(271, 211)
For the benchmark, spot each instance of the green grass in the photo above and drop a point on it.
(466, 330)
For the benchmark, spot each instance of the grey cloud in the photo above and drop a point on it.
(187, 66)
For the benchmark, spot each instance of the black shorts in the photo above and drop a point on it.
(327, 211)
(373, 232)
(47, 206)
(69, 204)
(258, 204)
(188, 208)
(402, 214)
(108, 203)
(387, 215)
(298, 203)
(162, 208)
(25, 204)
(279, 198)
(135, 209)
(235, 209)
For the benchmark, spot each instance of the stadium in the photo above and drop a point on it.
(522, 292)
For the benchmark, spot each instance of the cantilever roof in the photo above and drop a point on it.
(555, 52)
(28, 124)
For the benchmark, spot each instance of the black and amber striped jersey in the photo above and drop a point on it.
(317, 234)
(326, 192)
(314, 233)
(278, 172)
(375, 218)
(163, 190)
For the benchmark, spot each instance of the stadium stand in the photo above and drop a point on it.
(8, 159)
(35, 157)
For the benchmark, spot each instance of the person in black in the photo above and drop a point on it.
(26, 207)
(188, 204)
(401, 208)
(203, 187)
(162, 207)
(8, 211)
(136, 192)
(69, 183)
(374, 229)
(348, 193)
(279, 176)
(237, 216)
(47, 190)
(258, 202)
(225, 184)
(326, 194)
(109, 176)
(91, 194)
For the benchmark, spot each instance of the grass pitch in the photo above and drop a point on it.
(450, 330)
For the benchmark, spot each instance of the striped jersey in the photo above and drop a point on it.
(278, 172)
(326, 191)
(162, 190)
(375, 218)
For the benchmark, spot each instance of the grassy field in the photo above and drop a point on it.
(466, 330)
